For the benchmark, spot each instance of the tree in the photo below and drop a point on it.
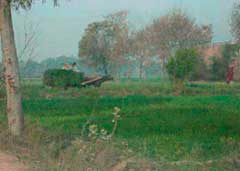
(30, 43)
(201, 71)
(103, 44)
(235, 21)
(181, 66)
(177, 31)
(94, 46)
(218, 69)
(119, 51)
(219, 66)
(142, 49)
(10, 63)
(11, 70)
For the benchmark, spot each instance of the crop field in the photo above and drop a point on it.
(201, 124)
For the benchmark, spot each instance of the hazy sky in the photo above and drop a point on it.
(60, 29)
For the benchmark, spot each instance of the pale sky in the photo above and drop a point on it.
(60, 29)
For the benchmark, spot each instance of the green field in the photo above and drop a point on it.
(201, 124)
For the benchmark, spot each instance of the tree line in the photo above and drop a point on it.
(110, 45)
(107, 45)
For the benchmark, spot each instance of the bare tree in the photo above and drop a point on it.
(119, 50)
(235, 21)
(31, 37)
(142, 49)
(28, 52)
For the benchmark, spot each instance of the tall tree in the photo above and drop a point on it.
(142, 49)
(10, 64)
(235, 21)
(11, 70)
(119, 51)
(94, 46)
(176, 31)
(103, 44)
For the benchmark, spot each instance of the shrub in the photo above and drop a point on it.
(62, 78)
(182, 66)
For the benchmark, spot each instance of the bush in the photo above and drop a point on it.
(182, 65)
(62, 78)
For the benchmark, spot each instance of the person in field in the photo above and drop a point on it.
(74, 67)
(230, 74)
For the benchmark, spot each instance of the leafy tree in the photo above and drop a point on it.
(177, 31)
(10, 63)
(201, 71)
(218, 69)
(103, 44)
(181, 66)
(95, 45)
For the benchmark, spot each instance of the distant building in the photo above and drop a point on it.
(212, 50)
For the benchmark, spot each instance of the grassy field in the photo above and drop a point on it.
(201, 124)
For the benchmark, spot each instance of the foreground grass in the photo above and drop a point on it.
(202, 124)
(169, 127)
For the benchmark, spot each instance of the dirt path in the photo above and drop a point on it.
(10, 163)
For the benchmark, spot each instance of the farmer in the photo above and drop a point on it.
(230, 74)
(74, 67)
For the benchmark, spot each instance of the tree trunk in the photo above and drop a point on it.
(141, 68)
(129, 72)
(11, 70)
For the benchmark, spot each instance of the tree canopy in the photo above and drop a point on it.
(25, 4)
(177, 30)
(103, 42)
(182, 65)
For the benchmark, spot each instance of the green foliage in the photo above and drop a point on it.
(62, 78)
(218, 69)
(229, 51)
(182, 65)
(219, 66)
(95, 45)
(201, 71)
(102, 44)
